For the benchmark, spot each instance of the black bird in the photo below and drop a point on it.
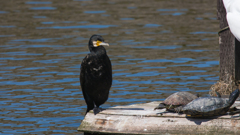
(96, 74)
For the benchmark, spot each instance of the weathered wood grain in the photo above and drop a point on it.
(143, 119)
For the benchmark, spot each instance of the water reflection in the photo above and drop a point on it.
(156, 48)
(43, 8)
(38, 2)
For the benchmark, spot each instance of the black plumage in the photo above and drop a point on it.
(96, 74)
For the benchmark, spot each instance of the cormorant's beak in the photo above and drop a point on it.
(98, 43)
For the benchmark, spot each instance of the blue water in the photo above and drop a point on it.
(95, 12)
(156, 48)
(43, 8)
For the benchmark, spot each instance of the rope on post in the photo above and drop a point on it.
(223, 29)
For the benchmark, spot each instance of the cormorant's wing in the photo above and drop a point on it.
(82, 75)
(110, 65)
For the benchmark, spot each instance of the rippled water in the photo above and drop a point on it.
(156, 48)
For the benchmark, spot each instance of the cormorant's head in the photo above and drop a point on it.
(96, 41)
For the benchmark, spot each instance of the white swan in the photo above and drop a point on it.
(233, 16)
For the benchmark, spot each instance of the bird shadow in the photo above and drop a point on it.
(104, 109)
(124, 109)
(88, 133)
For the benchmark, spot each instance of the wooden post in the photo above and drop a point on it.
(229, 56)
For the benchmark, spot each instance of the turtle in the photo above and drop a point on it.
(175, 100)
(209, 106)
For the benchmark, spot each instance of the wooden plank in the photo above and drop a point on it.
(151, 125)
(143, 119)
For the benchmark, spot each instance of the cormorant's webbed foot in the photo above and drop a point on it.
(97, 110)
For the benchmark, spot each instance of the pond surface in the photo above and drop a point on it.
(157, 47)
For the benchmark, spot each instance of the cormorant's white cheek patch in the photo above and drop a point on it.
(95, 44)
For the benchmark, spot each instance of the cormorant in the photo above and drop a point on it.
(96, 74)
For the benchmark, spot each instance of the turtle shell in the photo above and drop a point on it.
(179, 98)
(175, 100)
(206, 106)
(209, 106)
